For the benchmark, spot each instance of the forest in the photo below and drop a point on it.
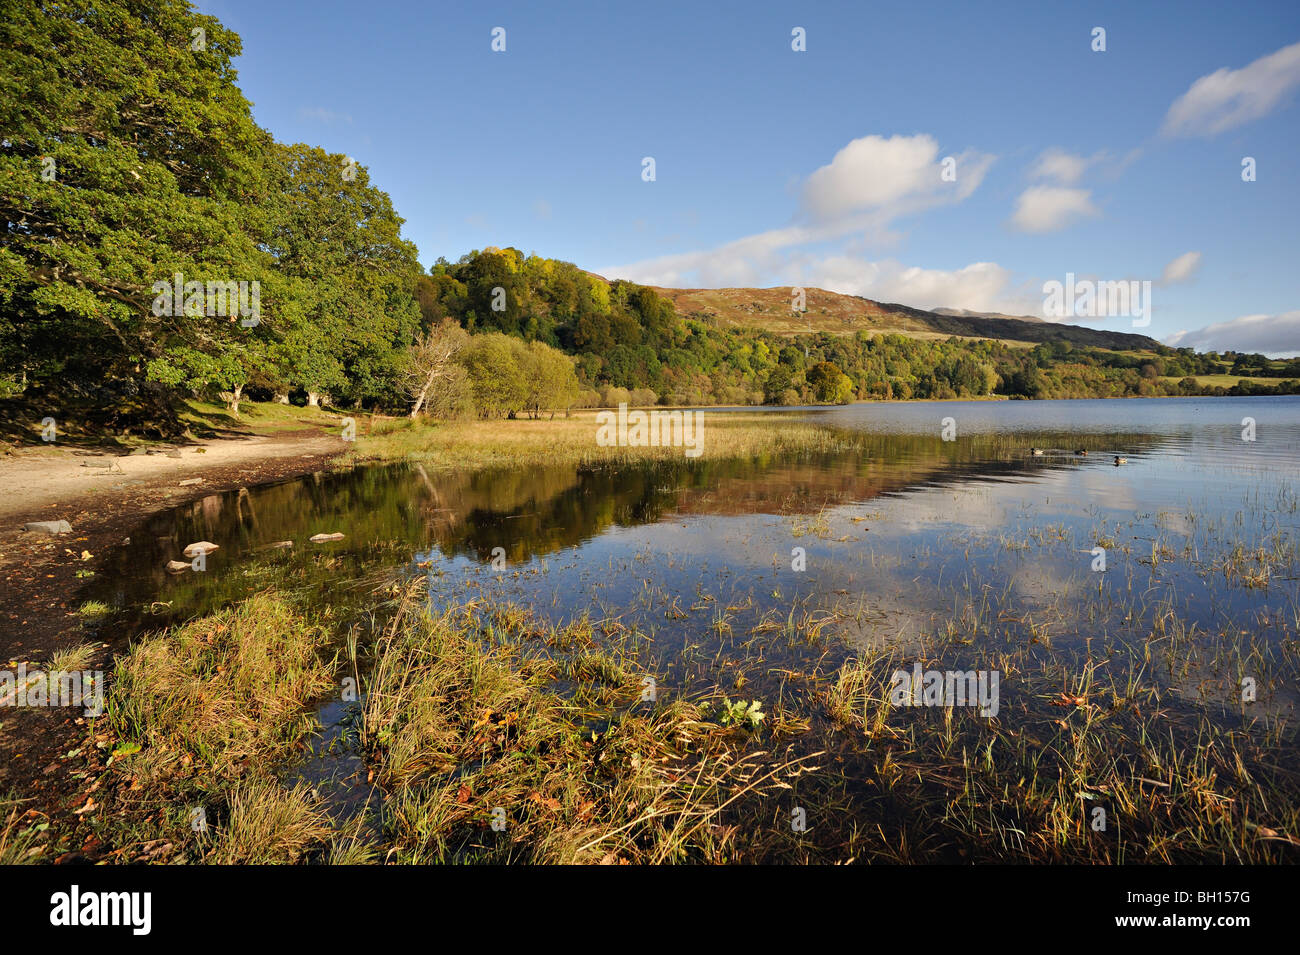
(130, 164)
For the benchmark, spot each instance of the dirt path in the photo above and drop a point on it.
(39, 573)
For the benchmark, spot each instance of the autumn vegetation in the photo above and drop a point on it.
(130, 158)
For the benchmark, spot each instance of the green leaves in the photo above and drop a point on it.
(741, 713)
(128, 156)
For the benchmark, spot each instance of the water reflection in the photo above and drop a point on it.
(902, 534)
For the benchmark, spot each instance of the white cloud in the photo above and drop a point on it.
(1048, 208)
(867, 185)
(1227, 98)
(1274, 335)
(1065, 168)
(1181, 269)
(873, 172)
(760, 262)
(979, 286)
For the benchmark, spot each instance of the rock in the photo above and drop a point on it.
(202, 547)
(177, 566)
(49, 527)
(190, 481)
(173, 454)
(325, 538)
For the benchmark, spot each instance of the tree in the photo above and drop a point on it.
(431, 362)
(829, 384)
(549, 380)
(349, 307)
(128, 156)
(494, 375)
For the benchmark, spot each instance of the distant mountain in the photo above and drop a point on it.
(967, 313)
(770, 309)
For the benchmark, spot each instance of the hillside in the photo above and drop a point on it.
(769, 309)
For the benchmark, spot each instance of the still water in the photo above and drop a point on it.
(901, 537)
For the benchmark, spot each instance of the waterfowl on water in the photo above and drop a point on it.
(1120, 460)
(1082, 453)
(1036, 452)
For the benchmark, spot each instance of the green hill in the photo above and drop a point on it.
(769, 309)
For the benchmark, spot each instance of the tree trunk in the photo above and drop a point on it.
(231, 398)
(419, 399)
(313, 399)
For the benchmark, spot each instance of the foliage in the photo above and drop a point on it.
(130, 158)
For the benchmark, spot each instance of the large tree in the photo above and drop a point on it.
(128, 156)
(349, 278)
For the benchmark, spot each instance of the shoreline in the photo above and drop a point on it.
(42, 574)
(61, 767)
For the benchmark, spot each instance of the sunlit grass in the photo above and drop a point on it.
(572, 441)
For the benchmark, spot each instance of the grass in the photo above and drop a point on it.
(493, 736)
(268, 824)
(199, 720)
(224, 690)
(72, 658)
(1219, 381)
(460, 722)
(524, 443)
(19, 843)
(482, 762)
(1172, 787)
(258, 417)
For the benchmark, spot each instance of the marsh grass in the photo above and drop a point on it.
(268, 824)
(1175, 784)
(225, 690)
(461, 735)
(72, 658)
(202, 717)
(19, 842)
(475, 713)
(476, 706)
(572, 441)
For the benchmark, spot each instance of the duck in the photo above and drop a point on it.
(1081, 453)
(1120, 460)
(1036, 452)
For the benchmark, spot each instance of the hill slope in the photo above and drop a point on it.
(769, 309)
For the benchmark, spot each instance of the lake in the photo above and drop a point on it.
(1176, 570)
(905, 523)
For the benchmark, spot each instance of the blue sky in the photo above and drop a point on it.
(823, 168)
